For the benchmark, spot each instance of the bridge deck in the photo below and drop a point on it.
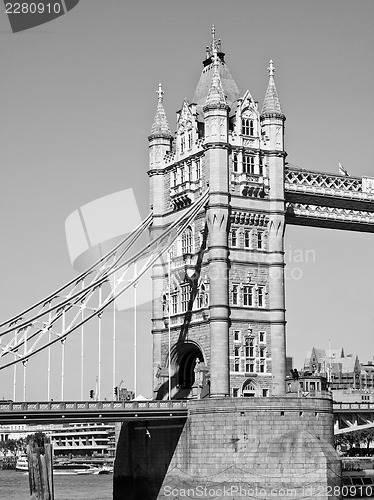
(85, 411)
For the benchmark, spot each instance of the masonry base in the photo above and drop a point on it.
(231, 448)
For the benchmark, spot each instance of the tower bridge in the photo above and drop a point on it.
(221, 196)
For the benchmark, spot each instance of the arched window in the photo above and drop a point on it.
(249, 388)
(187, 241)
(189, 139)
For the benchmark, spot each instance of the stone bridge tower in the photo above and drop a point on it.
(219, 299)
(227, 293)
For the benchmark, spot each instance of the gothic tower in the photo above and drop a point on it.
(225, 292)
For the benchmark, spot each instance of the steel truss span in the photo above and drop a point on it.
(55, 317)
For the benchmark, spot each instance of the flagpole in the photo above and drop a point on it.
(169, 326)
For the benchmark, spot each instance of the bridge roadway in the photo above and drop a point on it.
(347, 416)
(88, 411)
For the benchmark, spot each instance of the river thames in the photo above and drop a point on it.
(14, 485)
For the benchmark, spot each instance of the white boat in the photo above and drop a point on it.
(22, 463)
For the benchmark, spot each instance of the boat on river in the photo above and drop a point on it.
(68, 467)
(22, 463)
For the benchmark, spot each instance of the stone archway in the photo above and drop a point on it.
(184, 360)
(250, 389)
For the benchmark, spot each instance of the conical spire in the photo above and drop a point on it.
(216, 96)
(271, 102)
(160, 124)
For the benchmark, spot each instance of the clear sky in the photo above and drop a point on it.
(77, 101)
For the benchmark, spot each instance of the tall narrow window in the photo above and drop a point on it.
(187, 241)
(182, 174)
(202, 297)
(235, 296)
(247, 239)
(185, 297)
(248, 164)
(249, 347)
(174, 303)
(198, 169)
(251, 127)
(235, 162)
(247, 295)
(236, 335)
(261, 336)
(190, 172)
(260, 240)
(260, 296)
(237, 365)
(261, 166)
(189, 139)
(234, 237)
(183, 143)
(245, 126)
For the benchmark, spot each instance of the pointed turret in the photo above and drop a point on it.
(160, 125)
(159, 145)
(271, 104)
(216, 96)
(229, 87)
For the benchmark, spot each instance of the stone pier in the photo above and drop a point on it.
(229, 448)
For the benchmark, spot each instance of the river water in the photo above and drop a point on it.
(14, 485)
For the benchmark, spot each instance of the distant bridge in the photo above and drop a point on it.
(349, 417)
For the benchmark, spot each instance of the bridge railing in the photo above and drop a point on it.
(67, 406)
(353, 406)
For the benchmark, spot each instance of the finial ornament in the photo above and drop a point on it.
(271, 68)
(214, 45)
(160, 92)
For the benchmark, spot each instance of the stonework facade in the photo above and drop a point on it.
(226, 295)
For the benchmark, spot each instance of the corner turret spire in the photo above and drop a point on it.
(216, 96)
(160, 124)
(271, 104)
